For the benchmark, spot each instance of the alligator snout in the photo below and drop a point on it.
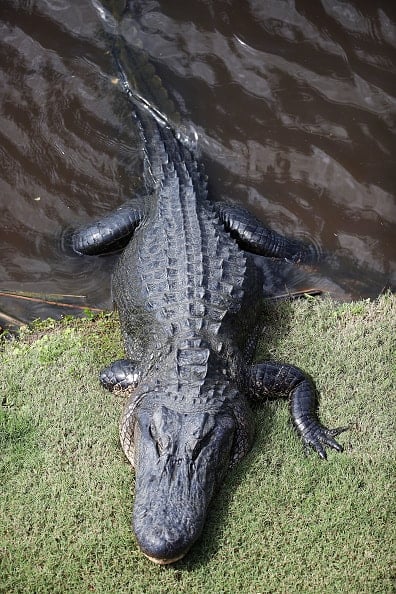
(180, 459)
(162, 534)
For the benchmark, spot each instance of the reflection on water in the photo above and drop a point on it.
(293, 103)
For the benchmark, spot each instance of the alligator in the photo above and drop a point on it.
(190, 301)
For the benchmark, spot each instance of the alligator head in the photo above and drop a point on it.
(179, 458)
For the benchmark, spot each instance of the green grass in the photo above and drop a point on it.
(282, 522)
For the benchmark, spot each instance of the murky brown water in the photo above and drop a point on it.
(293, 102)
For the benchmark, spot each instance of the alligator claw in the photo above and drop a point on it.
(337, 431)
(324, 437)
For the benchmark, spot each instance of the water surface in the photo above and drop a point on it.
(293, 103)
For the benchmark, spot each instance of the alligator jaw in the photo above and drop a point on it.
(165, 561)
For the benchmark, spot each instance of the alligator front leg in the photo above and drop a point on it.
(109, 234)
(252, 236)
(269, 378)
(122, 373)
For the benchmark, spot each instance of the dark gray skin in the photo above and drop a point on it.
(190, 304)
(181, 459)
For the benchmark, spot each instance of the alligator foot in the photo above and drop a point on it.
(120, 374)
(252, 236)
(268, 379)
(320, 437)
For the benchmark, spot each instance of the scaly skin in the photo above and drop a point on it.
(190, 306)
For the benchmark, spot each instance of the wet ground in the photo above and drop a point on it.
(293, 103)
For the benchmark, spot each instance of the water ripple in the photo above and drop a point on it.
(292, 106)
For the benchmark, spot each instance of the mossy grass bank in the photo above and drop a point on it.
(282, 522)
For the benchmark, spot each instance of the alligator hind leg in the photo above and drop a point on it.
(254, 237)
(122, 373)
(268, 378)
(109, 234)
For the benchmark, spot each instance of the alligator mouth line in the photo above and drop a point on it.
(165, 561)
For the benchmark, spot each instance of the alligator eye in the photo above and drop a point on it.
(159, 445)
(200, 445)
(152, 432)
